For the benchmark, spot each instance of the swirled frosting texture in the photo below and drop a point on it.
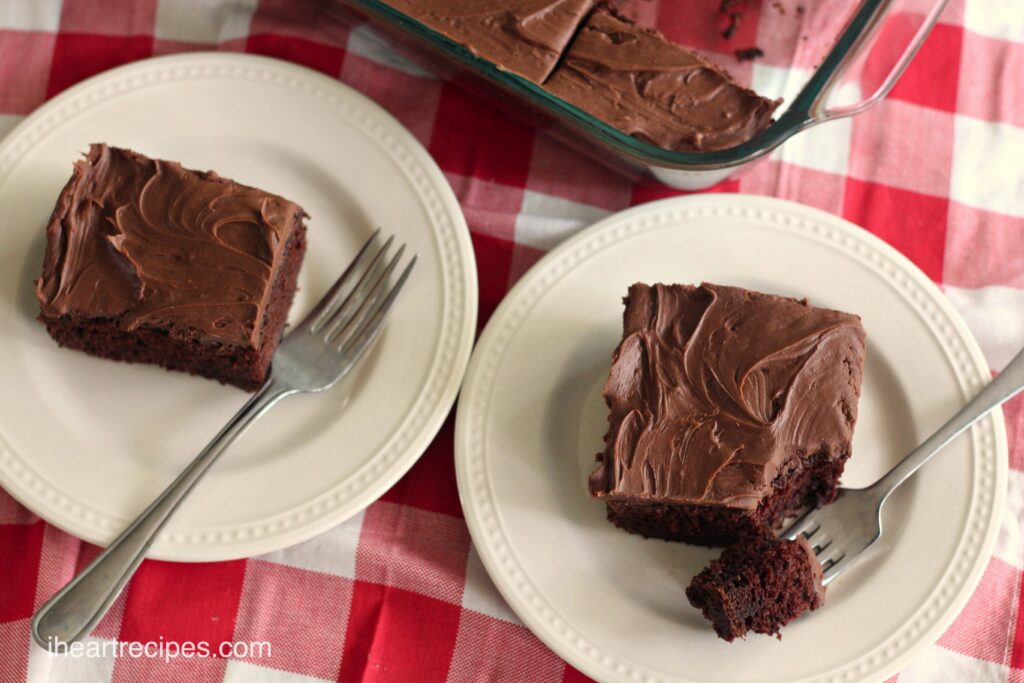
(638, 82)
(526, 37)
(148, 242)
(713, 389)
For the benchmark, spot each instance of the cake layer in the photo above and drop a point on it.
(638, 82)
(145, 242)
(715, 392)
(811, 481)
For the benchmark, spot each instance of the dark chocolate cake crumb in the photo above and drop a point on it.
(749, 54)
(759, 586)
(734, 19)
(728, 9)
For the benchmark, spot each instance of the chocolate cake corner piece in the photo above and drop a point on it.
(147, 261)
(728, 409)
(635, 80)
(758, 586)
(524, 37)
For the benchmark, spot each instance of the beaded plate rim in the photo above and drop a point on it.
(454, 345)
(988, 437)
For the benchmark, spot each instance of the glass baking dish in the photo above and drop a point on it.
(863, 48)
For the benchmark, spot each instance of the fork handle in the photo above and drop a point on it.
(998, 391)
(76, 608)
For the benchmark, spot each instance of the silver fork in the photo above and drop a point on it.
(314, 356)
(840, 532)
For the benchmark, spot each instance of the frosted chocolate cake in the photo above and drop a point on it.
(728, 409)
(147, 261)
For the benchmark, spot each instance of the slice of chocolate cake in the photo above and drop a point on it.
(728, 410)
(637, 81)
(758, 586)
(150, 262)
(525, 37)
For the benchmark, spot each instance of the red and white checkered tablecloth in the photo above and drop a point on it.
(398, 593)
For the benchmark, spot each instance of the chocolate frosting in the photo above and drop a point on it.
(525, 37)
(635, 80)
(713, 389)
(151, 243)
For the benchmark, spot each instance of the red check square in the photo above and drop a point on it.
(913, 223)
(430, 484)
(473, 138)
(411, 100)
(77, 56)
(397, 635)
(205, 597)
(137, 18)
(20, 549)
(983, 248)
(23, 89)
(563, 171)
(493, 265)
(992, 79)
(574, 676)
(980, 629)
(413, 549)
(16, 639)
(788, 181)
(13, 512)
(932, 77)
(489, 649)
(301, 614)
(903, 145)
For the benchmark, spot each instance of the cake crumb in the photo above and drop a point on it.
(730, 29)
(727, 8)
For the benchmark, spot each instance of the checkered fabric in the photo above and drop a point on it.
(398, 593)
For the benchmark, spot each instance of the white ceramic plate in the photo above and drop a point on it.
(531, 419)
(87, 443)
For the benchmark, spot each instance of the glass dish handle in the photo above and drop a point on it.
(852, 48)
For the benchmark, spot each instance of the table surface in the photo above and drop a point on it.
(398, 593)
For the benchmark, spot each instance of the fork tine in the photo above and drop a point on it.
(340, 327)
(820, 542)
(832, 571)
(830, 554)
(801, 526)
(318, 315)
(371, 327)
(339, 315)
